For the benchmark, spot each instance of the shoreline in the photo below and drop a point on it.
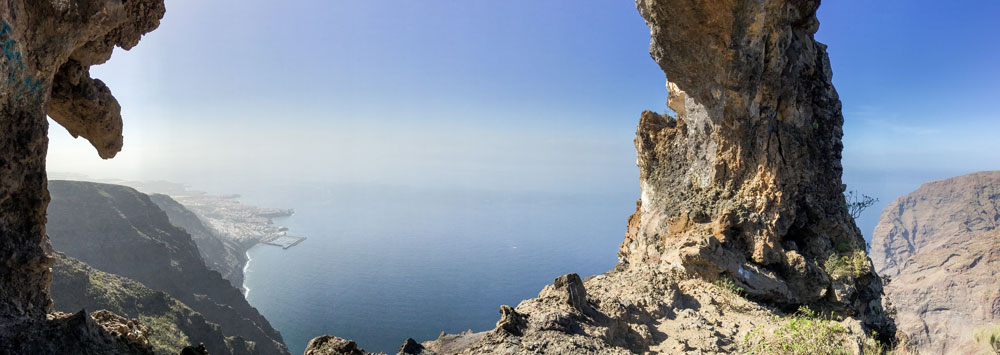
(239, 226)
(246, 266)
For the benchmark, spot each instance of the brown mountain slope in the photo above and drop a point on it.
(941, 247)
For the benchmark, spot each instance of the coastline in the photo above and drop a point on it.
(246, 266)
(238, 227)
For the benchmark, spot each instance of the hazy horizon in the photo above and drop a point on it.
(517, 96)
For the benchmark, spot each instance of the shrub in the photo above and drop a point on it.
(728, 285)
(730, 293)
(854, 265)
(804, 333)
(989, 337)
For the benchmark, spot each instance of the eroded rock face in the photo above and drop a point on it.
(48, 47)
(745, 182)
(940, 245)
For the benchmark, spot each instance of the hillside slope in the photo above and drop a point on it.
(941, 247)
(220, 254)
(118, 230)
(173, 325)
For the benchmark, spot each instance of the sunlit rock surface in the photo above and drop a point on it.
(745, 181)
(940, 245)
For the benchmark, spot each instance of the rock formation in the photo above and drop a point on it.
(48, 48)
(95, 222)
(940, 245)
(745, 182)
(76, 286)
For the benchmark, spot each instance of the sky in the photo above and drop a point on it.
(514, 94)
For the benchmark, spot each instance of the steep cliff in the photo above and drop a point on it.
(941, 247)
(172, 324)
(118, 230)
(742, 234)
(221, 254)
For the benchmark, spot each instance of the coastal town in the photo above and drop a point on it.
(229, 218)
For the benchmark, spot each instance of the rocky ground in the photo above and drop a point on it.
(940, 246)
(641, 310)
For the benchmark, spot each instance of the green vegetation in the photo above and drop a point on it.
(729, 286)
(989, 337)
(165, 336)
(77, 286)
(857, 203)
(731, 294)
(854, 265)
(808, 333)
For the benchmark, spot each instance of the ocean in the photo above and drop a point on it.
(382, 264)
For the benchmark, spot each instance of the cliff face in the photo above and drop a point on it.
(745, 182)
(118, 230)
(941, 246)
(221, 254)
(173, 325)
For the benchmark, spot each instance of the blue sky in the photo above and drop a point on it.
(525, 94)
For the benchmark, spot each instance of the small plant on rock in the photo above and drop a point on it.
(730, 293)
(729, 286)
(854, 265)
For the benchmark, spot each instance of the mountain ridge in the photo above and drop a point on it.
(941, 247)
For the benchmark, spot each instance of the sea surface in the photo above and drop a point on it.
(386, 263)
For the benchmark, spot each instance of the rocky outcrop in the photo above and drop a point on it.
(330, 345)
(941, 247)
(745, 182)
(119, 230)
(100, 332)
(224, 255)
(48, 47)
(76, 286)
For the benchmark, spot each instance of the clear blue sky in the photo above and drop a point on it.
(520, 94)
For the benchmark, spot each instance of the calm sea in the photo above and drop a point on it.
(385, 263)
